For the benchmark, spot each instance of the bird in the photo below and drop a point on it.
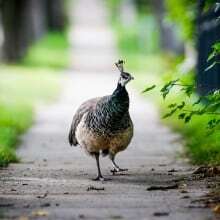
(103, 125)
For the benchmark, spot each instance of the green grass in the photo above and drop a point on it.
(200, 147)
(50, 52)
(22, 86)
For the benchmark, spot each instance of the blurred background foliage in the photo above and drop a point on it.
(184, 14)
(164, 40)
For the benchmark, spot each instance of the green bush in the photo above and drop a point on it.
(202, 145)
(24, 85)
(7, 155)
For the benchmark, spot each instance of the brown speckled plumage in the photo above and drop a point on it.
(103, 124)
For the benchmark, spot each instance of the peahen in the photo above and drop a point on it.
(103, 125)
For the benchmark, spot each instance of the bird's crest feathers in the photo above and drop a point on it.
(119, 65)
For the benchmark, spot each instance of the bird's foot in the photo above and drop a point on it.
(117, 170)
(99, 178)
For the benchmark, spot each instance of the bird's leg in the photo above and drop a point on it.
(99, 177)
(116, 168)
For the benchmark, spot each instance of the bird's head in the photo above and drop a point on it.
(124, 76)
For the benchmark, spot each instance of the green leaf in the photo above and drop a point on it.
(215, 51)
(165, 93)
(149, 88)
(201, 111)
(213, 107)
(216, 47)
(181, 105)
(182, 115)
(213, 123)
(211, 66)
(167, 87)
(211, 55)
(197, 102)
(170, 113)
(188, 117)
(188, 90)
(172, 105)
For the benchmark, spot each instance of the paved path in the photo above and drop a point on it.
(53, 180)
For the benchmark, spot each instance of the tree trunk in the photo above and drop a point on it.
(1, 30)
(168, 38)
(56, 15)
(208, 34)
(23, 22)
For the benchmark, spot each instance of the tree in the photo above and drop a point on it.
(208, 34)
(56, 15)
(23, 22)
(169, 40)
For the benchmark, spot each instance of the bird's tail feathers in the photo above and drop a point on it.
(72, 139)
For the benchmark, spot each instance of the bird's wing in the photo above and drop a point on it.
(84, 108)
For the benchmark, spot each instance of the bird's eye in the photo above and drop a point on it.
(125, 76)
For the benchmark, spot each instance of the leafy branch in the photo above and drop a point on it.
(185, 110)
(213, 56)
(205, 105)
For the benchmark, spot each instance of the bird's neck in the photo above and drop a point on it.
(120, 90)
(110, 113)
(120, 98)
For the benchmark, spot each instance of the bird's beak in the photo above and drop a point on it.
(132, 78)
